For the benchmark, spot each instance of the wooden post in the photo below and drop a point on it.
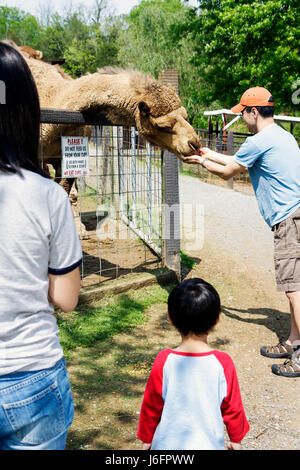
(210, 131)
(170, 77)
(230, 151)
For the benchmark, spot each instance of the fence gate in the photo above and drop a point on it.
(121, 213)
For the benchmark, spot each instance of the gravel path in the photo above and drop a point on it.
(231, 219)
(237, 257)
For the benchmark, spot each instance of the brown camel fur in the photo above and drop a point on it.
(128, 98)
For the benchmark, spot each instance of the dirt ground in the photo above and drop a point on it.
(117, 259)
(113, 252)
(107, 406)
(109, 379)
(255, 314)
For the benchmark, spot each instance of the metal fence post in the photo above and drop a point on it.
(171, 236)
(169, 77)
(171, 233)
(149, 189)
(133, 172)
(121, 167)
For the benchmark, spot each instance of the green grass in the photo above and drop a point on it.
(90, 323)
(187, 261)
(203, 175)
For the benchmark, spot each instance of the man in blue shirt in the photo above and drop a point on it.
(272, 157)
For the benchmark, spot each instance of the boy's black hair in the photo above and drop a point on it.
(19, 115)
(194, 307)
(264, 111)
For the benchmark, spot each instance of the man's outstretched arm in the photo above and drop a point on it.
(219, 164)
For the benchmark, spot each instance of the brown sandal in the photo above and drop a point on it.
(281, 350)
(290, 368)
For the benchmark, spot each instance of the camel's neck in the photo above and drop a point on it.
(110, 93)
(48, 80)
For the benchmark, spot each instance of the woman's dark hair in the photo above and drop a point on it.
(19, 115)
(194, 306)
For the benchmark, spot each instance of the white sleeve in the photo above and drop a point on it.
(65, 248)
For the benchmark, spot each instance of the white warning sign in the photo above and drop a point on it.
(75, 157)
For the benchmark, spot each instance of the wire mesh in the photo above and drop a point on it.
(118, 212)
(219, 141)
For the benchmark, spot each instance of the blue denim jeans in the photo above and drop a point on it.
(36, 409)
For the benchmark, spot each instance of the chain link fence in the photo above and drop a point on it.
(227, 143)
(119, 206)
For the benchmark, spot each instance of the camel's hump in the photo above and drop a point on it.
(109, 70)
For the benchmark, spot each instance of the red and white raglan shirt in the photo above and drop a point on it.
(188, 399)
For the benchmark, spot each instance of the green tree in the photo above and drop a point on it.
(79, 49)
(19, 26)
(107, 42)
(53, 37)
(150, 43)
(243, 44)
(87, 40)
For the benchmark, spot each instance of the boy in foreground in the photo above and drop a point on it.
(192, 390)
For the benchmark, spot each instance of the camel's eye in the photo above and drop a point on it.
(168, 129)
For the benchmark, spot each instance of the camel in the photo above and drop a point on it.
(127, 97)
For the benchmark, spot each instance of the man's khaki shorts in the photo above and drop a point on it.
(287, 253)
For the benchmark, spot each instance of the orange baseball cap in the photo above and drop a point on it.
(256, 96)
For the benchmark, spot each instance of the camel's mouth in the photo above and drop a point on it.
(195, 149)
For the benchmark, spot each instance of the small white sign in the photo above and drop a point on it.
(75, 157)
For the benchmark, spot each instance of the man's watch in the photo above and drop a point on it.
(204, 160)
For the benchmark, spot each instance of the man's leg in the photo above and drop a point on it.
(294, 336)
(285, 349)
(287, 273)
(291, 367)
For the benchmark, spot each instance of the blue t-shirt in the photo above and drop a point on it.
(272, 157)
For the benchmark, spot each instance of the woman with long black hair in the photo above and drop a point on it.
(40, 255)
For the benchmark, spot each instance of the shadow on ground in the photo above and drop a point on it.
(108, 382)
(275, 320)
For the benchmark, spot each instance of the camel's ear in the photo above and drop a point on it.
(166, 122)
(144, 109)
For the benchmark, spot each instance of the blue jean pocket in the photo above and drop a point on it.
(38, 418)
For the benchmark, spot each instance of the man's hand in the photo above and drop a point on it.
(205, 153)
(219, 164)
(193, 159)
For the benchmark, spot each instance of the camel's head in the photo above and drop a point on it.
(162, 120)
(29, 52)
(25, 50)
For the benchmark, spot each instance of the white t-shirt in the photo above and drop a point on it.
(37, 236)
